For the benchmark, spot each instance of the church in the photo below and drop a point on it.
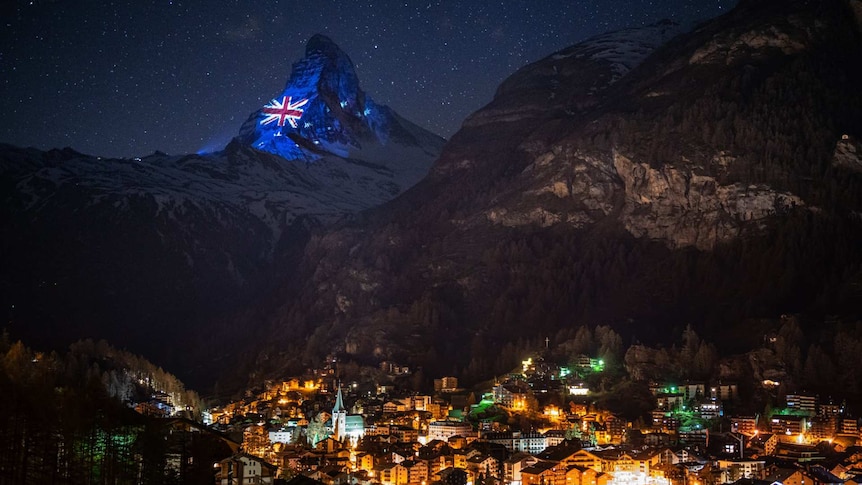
(348, 428)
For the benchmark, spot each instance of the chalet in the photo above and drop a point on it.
(403, 434)
(848, 427)
(733, 470)
(798, 453)
(451, 476)
(446, 384)
(586, 459)
(694, 437)
(243, 468)
(746, 425)
(532, 443)
(616, 428)
(443, 430)
(483, 464)
(514, 464)
(668, 456)
(822, 428)
(396, 406)
(615, 461)
(787, 476)
(658, 439)
(788, 425)
(329, 445)
(576, 475)
(512, 395)
(417, 470)
(822, 476)
(564, 453)
(439, 461)
(764, 443)
(365, 461)
(401, 454)
(392, 474)
(331, 475)
(543, 473)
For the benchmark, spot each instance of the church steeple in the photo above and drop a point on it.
(339, 402)
(339, 417)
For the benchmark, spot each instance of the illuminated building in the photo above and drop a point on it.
(244, 468)
(512, 395)
(788, 425)
(446, 384)
(733, 470)
(849, 427)
(392, 474)
(517, 441)
(800, 403)
(823, 427)
(512, 467)
(350, 427)
(746, 425)
(542, 473)
(443, 430)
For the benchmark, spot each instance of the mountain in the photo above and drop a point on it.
(323, 112)
(155, 253)
(708, 181)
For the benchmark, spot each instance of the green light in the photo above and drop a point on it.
(597, 365)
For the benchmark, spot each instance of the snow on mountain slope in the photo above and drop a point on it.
(323, 111)
(122, 248)
(345, 154)
(572, 79)
(624, 49)
(272, 189)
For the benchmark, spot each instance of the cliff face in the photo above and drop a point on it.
(685, 208)
(617, 182)
(709, 139)
(848, 154)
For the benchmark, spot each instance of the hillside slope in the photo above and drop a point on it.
(707, 185)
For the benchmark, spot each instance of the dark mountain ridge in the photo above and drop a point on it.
(699, 187)
(157, 253)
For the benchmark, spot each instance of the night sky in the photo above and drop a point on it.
(128, 78)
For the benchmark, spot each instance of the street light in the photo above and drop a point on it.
(741, 440)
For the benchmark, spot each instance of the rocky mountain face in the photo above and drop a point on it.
(707, 181)
(156, 253)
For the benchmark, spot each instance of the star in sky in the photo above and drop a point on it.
(125, 78)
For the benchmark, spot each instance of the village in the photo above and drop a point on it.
(535, 426)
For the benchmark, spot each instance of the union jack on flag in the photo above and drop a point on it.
(284, 110)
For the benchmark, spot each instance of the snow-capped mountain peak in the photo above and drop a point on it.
(323, 111)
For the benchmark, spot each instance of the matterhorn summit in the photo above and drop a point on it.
(323, 112)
